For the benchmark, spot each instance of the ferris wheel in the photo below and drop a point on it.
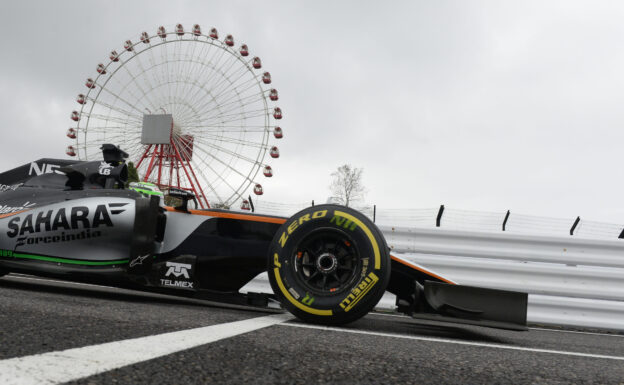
(191, 110)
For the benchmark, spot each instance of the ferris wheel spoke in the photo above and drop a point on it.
(127, 103)
(117, 109)
(235, 117)
(221, 87)
(238, 141)
(226, 151)
(166, 77)
(145, 97)
(105, 128)
(215, 64)
(142, 71)
(158, 75)
(116, 95)
(218, 160)
(113, 138)
(187, 66)
(243, 89)
(226, 110)
(196, 72)
(233, 82)
(109, 118)
(232, 108)
(231, 128)
(110, 133)
(243, 101)
(207, 105)
(179, 63)
(226, 75)
(237, 71)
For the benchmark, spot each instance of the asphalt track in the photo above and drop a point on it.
(52, 331)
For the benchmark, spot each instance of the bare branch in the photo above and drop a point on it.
(346, 185)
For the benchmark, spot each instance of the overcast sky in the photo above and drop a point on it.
(480, 105)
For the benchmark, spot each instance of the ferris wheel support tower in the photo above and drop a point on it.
(160, 135)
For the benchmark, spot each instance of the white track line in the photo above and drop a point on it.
(530, 328)
(72, 364)
(579, 332)
(455, 342)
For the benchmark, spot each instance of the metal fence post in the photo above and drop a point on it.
(439, 218)
(576, 222)
(506, 218)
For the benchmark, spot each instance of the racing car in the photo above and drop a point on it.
(327, 264)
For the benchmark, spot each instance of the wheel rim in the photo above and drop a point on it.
(327, 262)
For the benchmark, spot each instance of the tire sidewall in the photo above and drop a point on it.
(365, 289)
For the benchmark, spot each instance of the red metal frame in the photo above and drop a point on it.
(163, 155)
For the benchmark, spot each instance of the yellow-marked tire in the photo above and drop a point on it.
(329, 264)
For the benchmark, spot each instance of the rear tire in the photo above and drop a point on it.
(329, 264)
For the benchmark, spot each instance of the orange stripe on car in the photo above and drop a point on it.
(242, 217)
(422, 270)
(11, 214)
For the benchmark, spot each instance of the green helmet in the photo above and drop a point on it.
(146, 188)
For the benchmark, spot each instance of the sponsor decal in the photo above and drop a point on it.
(85, 234)
(276, 260)
(364, 266)
(105, 168)
(294, 293)
(44, 168)
(298, 222)
(357, 293)
(177, 270)
(343, 222)
(5, 187)
(308, 299)
(139, 260)
(75, 223)
(13, 209)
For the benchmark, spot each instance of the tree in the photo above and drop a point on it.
(133, 175)
(346, 185)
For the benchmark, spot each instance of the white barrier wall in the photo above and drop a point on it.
(571, 282)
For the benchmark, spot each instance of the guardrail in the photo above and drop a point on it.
(524, 248)
(571, 282)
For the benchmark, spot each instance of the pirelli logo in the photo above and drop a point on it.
(359, 292)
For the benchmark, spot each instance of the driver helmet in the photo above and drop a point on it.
(148, 189)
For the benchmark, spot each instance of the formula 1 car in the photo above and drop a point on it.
(327, 264)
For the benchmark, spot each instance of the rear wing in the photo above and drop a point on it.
(12, 179)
